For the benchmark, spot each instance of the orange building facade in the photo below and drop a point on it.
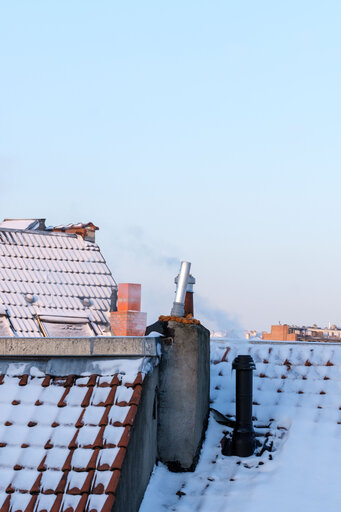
(280, 333)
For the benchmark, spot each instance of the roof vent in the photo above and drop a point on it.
(87, 302)
(243, 438)
(30, 298)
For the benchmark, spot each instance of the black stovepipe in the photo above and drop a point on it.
(243, 438)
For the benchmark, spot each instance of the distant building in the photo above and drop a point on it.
(287, 332)
(253, 335)
(280, 333)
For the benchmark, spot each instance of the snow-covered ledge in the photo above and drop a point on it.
(100, 346)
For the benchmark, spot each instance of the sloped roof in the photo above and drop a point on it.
(297, 418)
(45, 273)
(63, 439)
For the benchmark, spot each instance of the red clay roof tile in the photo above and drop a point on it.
(62, 402)
(93, 460)
(112, 485)
(87, 397)
(124, 441)
(73, 443)
(74, 438)
(6, 504)
(98, 443)
(69, 381)
(79, 482)
(31, 505)
(138, 380)
(135, 399)
(82, 503)
(67, 463)
(35, 489)
(92, 380)
(23, 380)
(104, 420)
(79, 423)
(100, 503)
(56, 507)
(129, 420)
(46, 381)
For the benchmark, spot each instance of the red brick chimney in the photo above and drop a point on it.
(128, 320)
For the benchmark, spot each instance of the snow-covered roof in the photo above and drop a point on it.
(63, 438)
(52, 274)
(297, 418)
(22, 223)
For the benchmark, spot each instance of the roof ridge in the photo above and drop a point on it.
(42, 232)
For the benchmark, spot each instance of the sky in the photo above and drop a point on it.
(206, 131)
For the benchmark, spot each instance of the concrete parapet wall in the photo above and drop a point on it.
(62, 347)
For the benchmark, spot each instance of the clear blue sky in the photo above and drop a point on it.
(200, 130)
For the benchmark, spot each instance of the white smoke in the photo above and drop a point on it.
(218, 321)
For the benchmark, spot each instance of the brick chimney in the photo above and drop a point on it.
(128, 320)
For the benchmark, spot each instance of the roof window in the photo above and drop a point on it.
(65, 326)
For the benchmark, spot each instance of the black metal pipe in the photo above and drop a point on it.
(243, 438)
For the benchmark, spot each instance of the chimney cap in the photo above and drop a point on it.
(191, 281)
(243, 362)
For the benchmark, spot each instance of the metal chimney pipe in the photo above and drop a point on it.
(178, 305)
(243, 438)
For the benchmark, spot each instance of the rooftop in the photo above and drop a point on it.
(53, 281)
(64, 435)
(297, 418)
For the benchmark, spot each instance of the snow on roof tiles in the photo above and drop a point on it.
(288, 374)
(52, 274)
(62, 439)
(297, 416)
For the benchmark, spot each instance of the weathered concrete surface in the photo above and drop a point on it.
(142, 450)
(183, 394)
(96, 346)
(62, 366)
